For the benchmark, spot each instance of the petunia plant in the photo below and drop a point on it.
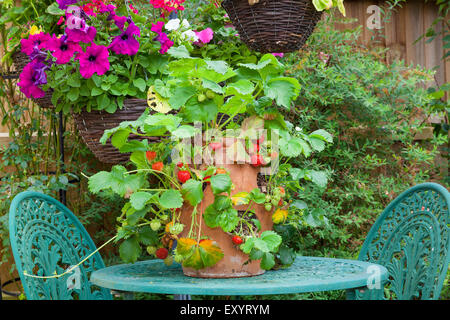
(219, 111)
(103, 52)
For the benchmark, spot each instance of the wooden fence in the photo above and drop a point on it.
(400, 31)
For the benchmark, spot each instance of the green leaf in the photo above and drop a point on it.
(73, 94)
(185, 131)
(99, 181)
(208, 84)
(257, 196)
(291, 147)
(218, 66)
(287, 255)
(243, 87)
(272, 240)
(140, 84)
(318, 177)
(180, 96)
(171, 199)
(221, 183)
(284, 90)
(267, 261)
(299, 204)
(200, 111)
(148, 237)
(192, 191)
(130, 250)
(322, 135)
(139, 199)
(179, 52)
(120, 138)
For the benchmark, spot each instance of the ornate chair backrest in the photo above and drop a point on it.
(46, 240)
(411, 239)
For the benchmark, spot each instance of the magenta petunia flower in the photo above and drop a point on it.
(126, 43)
(204, 36)
(62, 49)
(94, 60)
(85, 33)
(280, 54)
(119, 21)
(166, 43)
(32, 76)
(158, 27)
(64, 4)
(37, 41)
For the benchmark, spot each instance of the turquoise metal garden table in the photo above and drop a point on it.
(307, 274)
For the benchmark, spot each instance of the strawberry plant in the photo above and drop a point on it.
(242, 100)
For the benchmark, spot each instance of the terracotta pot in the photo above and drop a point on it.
(244, 177)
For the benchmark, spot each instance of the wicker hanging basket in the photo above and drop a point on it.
(20, 60)
(273, 26)
(91, 126)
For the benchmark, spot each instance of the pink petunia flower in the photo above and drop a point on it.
(62, 49)
(32, 76)
(278, 54)
(204, 36)
(94, 60)
(37, 41)
(126, 43)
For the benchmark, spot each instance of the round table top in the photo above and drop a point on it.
(307, 274)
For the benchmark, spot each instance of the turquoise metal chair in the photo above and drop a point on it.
(411, 239)
(47, 240)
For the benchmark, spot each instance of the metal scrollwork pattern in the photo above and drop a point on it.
(411, 239)
(47, 240)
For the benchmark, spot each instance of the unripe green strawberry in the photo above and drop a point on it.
(210, 94)
(151, 250)
(176, 229)
(274, 202)
(201, 97)
(268, 207)
(268, 198)
(155, 225)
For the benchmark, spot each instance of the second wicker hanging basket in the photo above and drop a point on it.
(273, 26)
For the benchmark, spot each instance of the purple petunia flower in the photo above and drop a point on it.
(126, 43)
(34, 41)
(64, 4)
(85, 33)
(32, 76)
(94, 60)
(62, 49)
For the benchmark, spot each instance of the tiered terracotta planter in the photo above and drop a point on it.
(244, 177)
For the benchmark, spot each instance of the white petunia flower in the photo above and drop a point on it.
(189, 35)
(185, 24)
(172, 25)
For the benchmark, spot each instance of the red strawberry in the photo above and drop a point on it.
(237, 240)
(256, 160)
(151, 155)
(180, 165)
(162, 253)
(183, 176)
(158, 166)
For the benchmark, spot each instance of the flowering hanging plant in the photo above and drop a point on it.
(103, 53)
